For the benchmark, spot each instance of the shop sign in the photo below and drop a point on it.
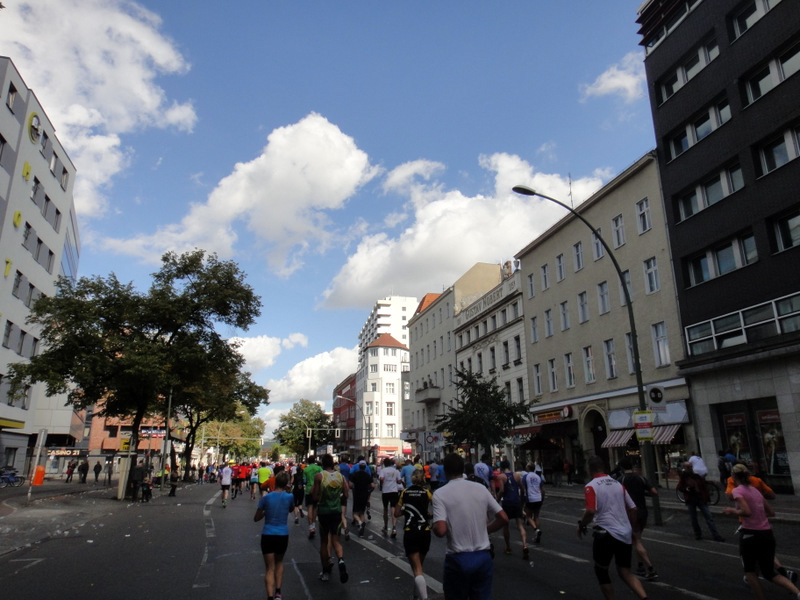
(643, 424)
(553, 416)
(63, 452)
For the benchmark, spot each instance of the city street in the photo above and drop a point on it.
(191, 547)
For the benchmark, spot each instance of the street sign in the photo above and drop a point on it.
(655, 399)
(643, 424)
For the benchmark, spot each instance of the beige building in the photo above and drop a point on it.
(433, 355)
(579, 345)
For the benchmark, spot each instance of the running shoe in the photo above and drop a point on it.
(538, 536)
(525, 553)
(324, 576)
(651, 574)
(296, 521)
(343, 576)
(311, 531)
(507, 550)
(346, 534)
(394, 533)
(302, 516)
(361, 529)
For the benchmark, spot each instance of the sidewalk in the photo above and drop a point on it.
(56, 509)
(787, 508)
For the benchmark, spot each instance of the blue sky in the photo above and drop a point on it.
(339, 152)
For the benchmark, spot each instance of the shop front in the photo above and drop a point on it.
(551, 440)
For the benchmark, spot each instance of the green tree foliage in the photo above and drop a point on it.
(108, 344)
(238, 437)
(483, 414)
(304, 415)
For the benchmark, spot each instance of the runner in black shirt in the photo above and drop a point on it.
(414, 504)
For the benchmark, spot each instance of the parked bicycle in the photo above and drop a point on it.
(10, 477)
(713, 493)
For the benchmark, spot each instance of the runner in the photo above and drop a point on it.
(534, 493)
(511, 501)
(298, 490)
(391, 483)
(225, 477)
(344, 469)
(362, 484)
(415, 504)
(613, 512)
(327, 491)
(275, 509)
(309, 473)
(253, 481)
(638, 487)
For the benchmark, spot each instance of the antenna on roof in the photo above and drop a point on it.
(571, 199)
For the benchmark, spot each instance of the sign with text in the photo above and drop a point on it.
(643, 424)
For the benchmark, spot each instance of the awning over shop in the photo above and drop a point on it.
(663, 434)
(618, 438)
(11, 424)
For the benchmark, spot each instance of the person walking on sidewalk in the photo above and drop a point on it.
(695, 492)
(328, 489)
(639, 488)
(613, 512)
(511, 501)
(274, 508)
(137, 478)
(756, 541)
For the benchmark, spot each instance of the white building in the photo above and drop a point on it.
(390, 315)
(39, 241)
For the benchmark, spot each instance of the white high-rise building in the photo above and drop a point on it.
(390, 315)
(39, 241)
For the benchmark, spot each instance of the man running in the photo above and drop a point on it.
(638, 487)
(460, 509)
(483, 469)
(309, 473)
(391, 483)
(362, 485)
(511, 501)
(534, 492)
(613, 512)
(225, 478)
(327, 491)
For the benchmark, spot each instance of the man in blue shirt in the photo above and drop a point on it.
(406, 472)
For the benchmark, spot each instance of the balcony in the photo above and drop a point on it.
(428, 394)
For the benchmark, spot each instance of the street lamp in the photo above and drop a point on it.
(647, 450)
(366, 422)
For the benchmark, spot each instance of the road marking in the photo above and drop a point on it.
(398, 561)
(302, 580)
(30, 561)
(205, 572)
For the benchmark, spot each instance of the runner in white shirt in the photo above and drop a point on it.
(391, 484)
(225, 478)
(613, 512)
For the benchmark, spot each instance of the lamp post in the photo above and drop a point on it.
(365, 421)
(647, 449)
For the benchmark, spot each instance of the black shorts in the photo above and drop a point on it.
(534, 508)
(360, 503)
(606, 547)
(298, 498)
(417, 542)
(757, 549)
(390, 499)
(329, 523)
(225, 488)
(274, 544)
(310, 501)
(513, 511)
(641, 520)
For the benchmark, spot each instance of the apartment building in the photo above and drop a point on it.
(723, 82)
(39, 241)
(579, 343)
(433, 356)
(345, 407)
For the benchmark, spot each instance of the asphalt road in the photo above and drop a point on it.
(191, 547)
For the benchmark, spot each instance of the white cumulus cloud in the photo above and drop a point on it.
(625, 79)
(261, 351)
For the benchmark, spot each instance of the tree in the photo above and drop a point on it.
(106, 344)
(304, 415)
(483, 414)
(239, 437)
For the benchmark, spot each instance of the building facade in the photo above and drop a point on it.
(39, 241)
(345, 407)
(723, 81)
(433, 356)
(579, 340)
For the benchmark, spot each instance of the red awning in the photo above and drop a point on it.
(618, 438)
(663, 434)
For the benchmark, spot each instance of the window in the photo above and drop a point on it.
(618, 231)
(779, 150)
(569, 370)
(373, 352)
(643, 215)
(564, 308)
(493, 321)
(373, 387)
(534, 330)
(560, 269)
(610, 359)
(694, 62)
(506, 355)
(651, 280)
(723, 258)
(17, 282)
(597, 245)
(548, 323)
(588, 364)
(45, 143)
(390, 368)
(517, 350)
(53, 162)
(577, 254)
(373, 368)
(480, 362)
(660, 344)
(537, 379)
(520, 389)
(750, 14)
(703, 124)
(508, 389)
(515, 310)
(603, 304)
(787, 231)
(531, 287)
(10, 99)
(545, 277)
(389, 390)
(65, 181)
(390, 429)
(583, 308)
(492, 360)
(553, 376)
(710, 191)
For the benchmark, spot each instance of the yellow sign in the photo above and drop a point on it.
(643, 424)
(125, 443)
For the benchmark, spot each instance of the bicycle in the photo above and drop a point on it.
(713, 493)
(10, 478)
